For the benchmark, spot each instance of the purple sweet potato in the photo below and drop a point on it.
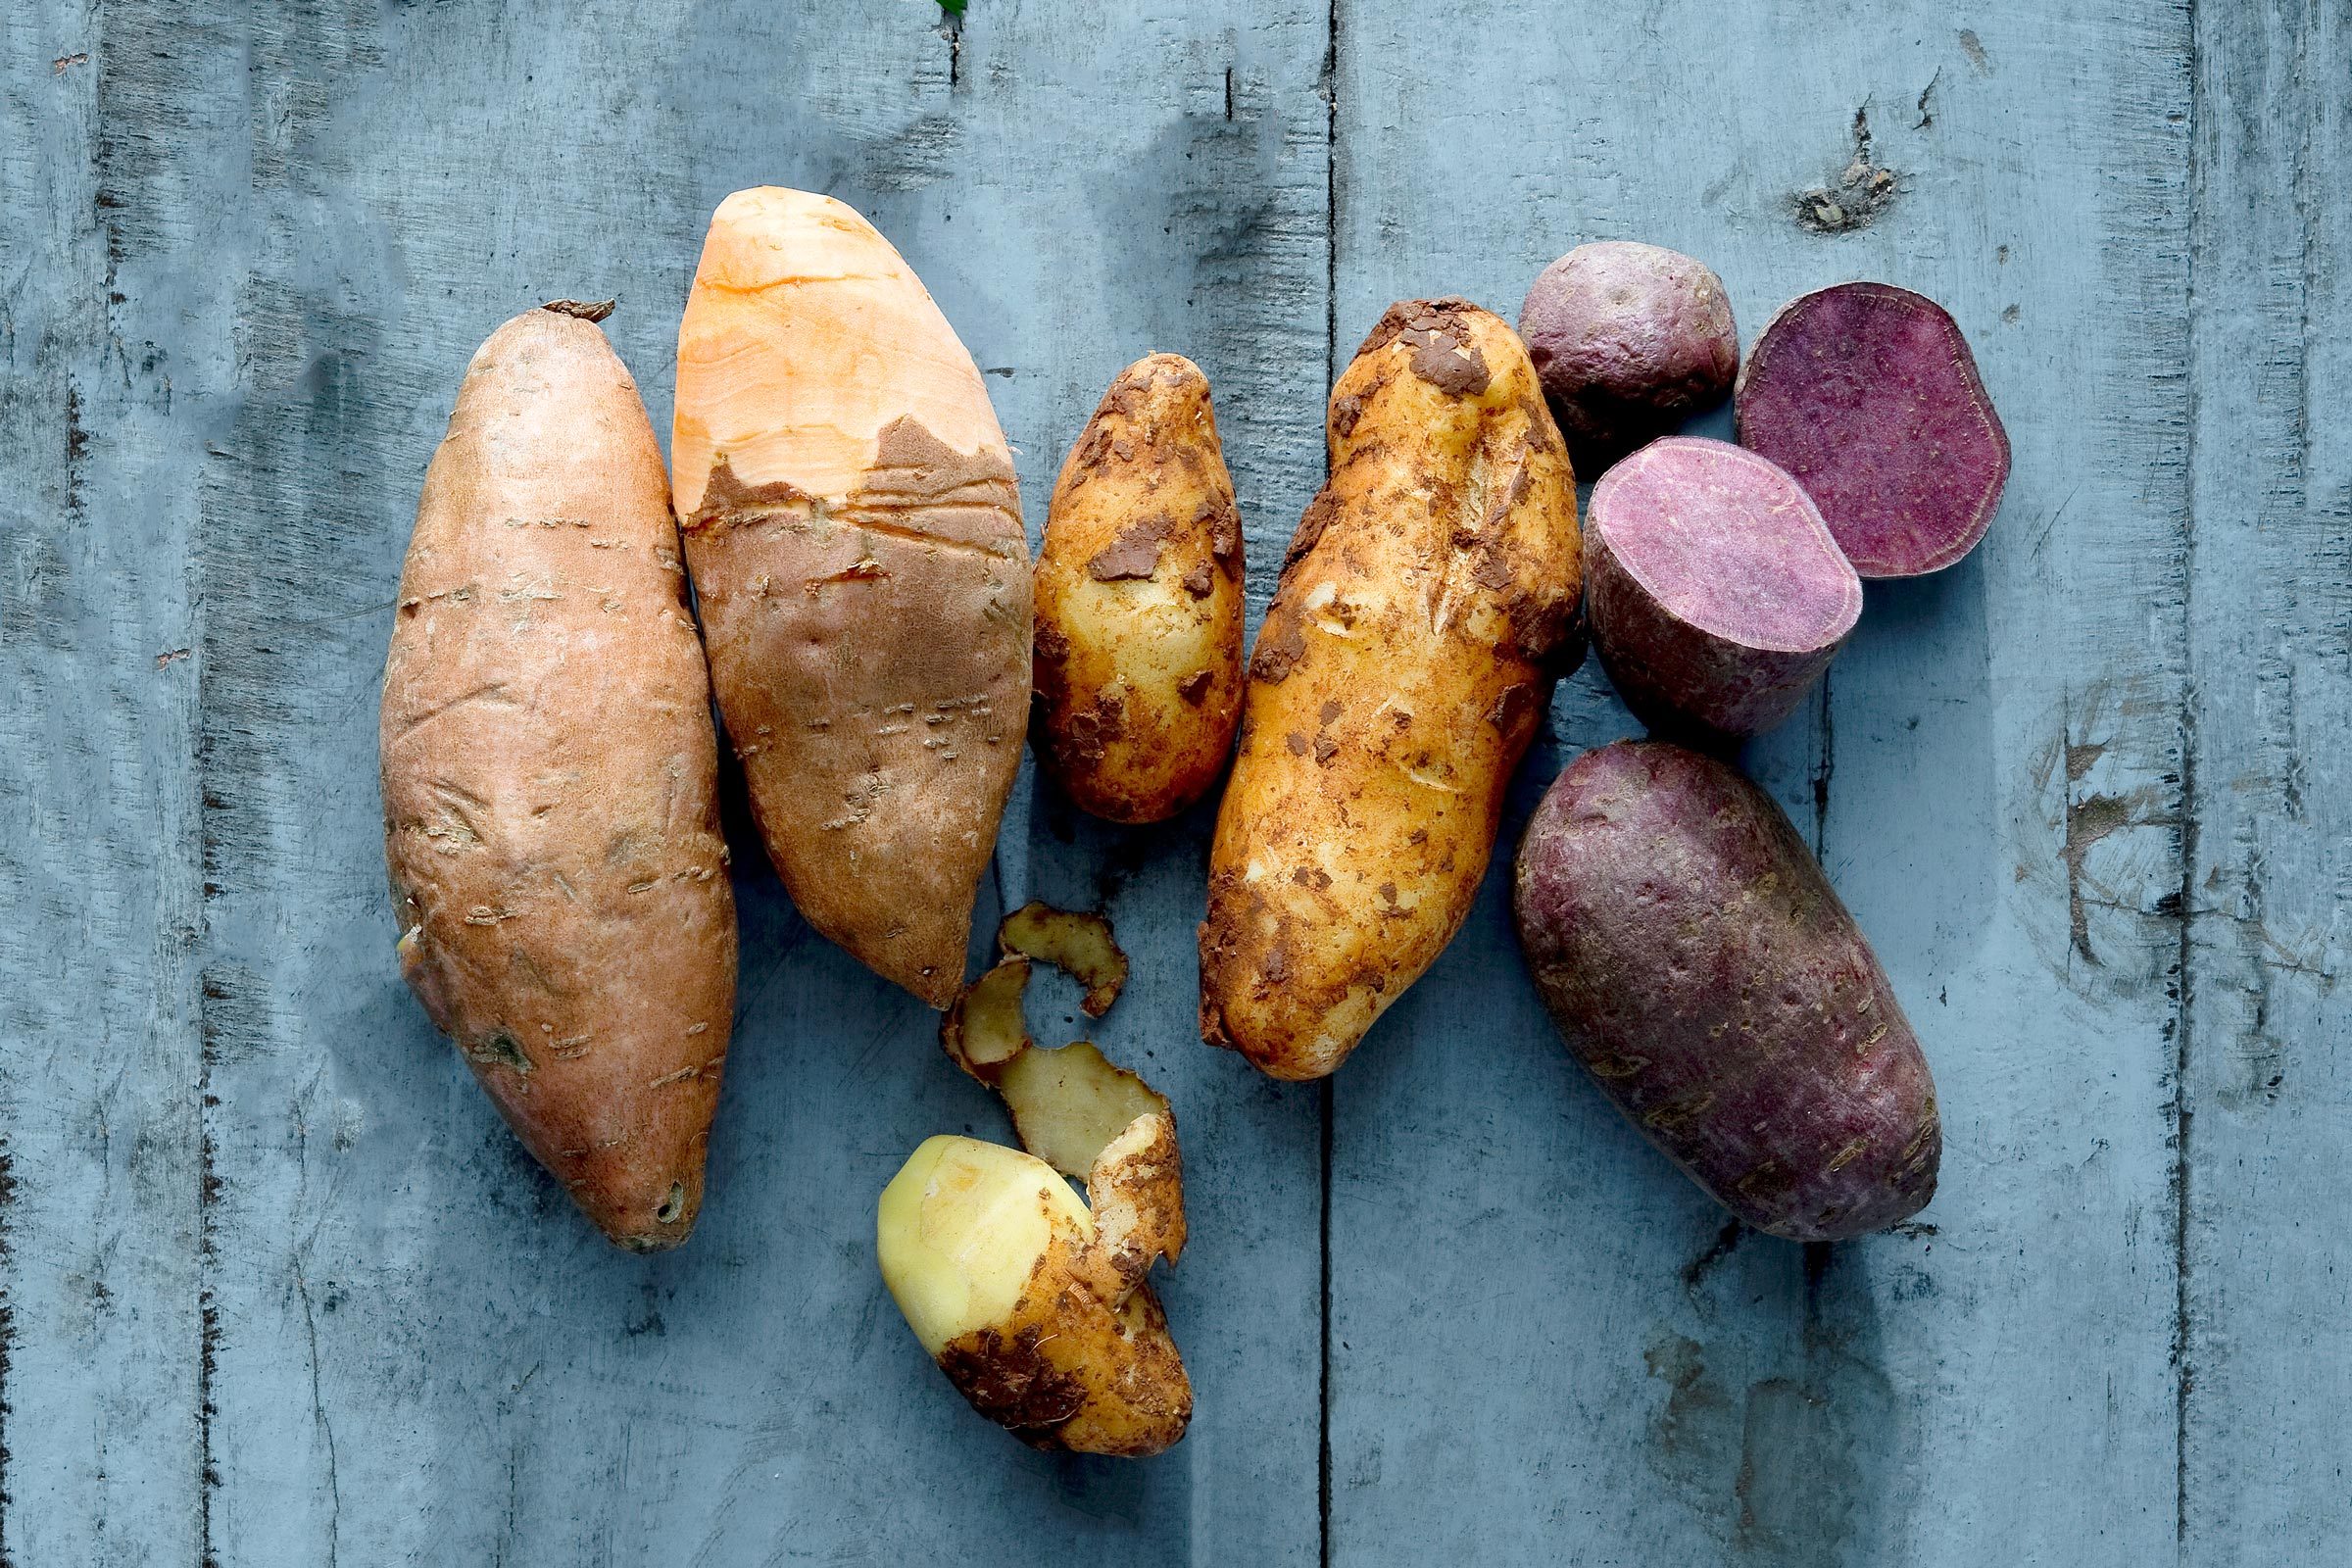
(1629, 340)
(1697, 963)
(1867, 394)
(1714, 591)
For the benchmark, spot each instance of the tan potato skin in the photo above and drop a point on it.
(1068, 1372)
(855, 534)
(550, 777)
(1139, 602)
(1427, 605)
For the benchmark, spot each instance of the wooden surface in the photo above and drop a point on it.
(276, 1286)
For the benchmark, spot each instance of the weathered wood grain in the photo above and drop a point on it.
(2266, 1298)
(410, 1346)
(1521, 1288)
(103, 412)
(275, 1286)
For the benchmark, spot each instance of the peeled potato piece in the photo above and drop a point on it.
(1034, 1305)
(1069, 1104)
(985, 1029)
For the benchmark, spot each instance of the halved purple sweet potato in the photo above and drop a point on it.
(1868, 394)
(1715, 593)
(1698, 964)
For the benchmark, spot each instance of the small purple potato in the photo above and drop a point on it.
(1715, 593)
(1629, 340)
(1700, 966)
(1868, 394)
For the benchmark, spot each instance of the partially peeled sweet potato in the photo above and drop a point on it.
(853, 527)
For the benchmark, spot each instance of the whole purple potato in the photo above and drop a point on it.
(1629, 339)
(1700, 966)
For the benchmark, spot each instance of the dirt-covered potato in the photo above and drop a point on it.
(549, 776)
(1426, 607)
(1036, 1305)
(1868, 396)
(853, 527)
(1700, 966)
(1629, 340)
(1139, 602)
(1713, 590)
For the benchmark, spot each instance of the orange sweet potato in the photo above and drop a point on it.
(855, 535)
(551, 818)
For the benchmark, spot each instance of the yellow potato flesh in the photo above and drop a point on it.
(960, 1229)
(1067, 1105)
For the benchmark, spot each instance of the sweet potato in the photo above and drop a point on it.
(549, 776)
(1139, 602)
(856, 541)
(1697, 961)
(1427, 605)
(1868, 395)
(1629, 340)
(1714, 592)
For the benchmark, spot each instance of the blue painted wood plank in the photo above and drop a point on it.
(418, 1349)
(100, 1163)
(2265, 1082)
(1531, 1308)
(276, 1285)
